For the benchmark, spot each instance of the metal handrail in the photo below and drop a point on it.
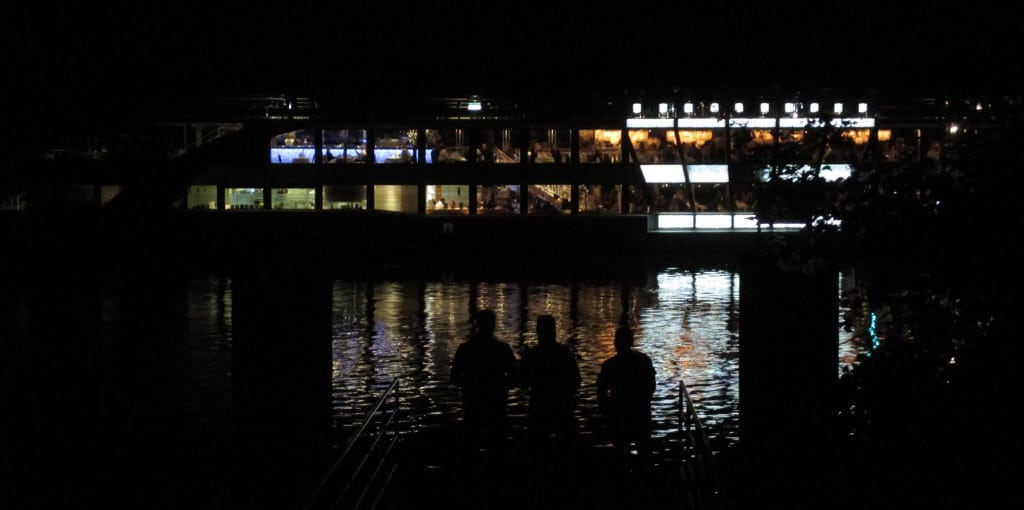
(695, 440)
(374, 447)
(690, 420)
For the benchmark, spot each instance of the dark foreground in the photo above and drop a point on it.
(919, 472)
(442, 471)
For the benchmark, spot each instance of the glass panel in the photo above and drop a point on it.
(743, 197)
(698, 146)
(600, 145)
(447, 198)
(930, 143)
(243, 199)
(600, 199)
(560, 145)
(711, 197)
(109, 191)
(588, 150)
(744, 143)
(549, 198)
(898, 144)
(669, 197)
(490, 148)
(292, 147)
(499, 199)
(507, 150)
(345, 197)
(675, 197)
(76, 195)
(846, 146)
(548, 146)
(395, 146)
(202, 197)
(446, 146)
(713, 150)
(344, 146)
(649, 144)
(14, 200)
(396, 198)
(294, 199)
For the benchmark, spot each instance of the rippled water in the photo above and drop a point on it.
(153, 367)
(687, 321)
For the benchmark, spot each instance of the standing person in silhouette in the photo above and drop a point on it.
(625, 386)
(485, 369)
(551, 376)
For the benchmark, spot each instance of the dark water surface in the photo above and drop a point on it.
(167, 391)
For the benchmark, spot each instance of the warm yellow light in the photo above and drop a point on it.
(859, 136)
(690, 136)
(884, 135)
(763, 136)
(611, 136)
(637, 135)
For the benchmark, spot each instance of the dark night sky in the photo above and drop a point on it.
(127, 55)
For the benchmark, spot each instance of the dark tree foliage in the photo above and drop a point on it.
(930, 241)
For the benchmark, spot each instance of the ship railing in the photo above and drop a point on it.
(698, 464)
(359, 476)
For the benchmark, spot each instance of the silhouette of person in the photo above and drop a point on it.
(556, 153)
(485, 369)
(625, 386)
(486, 153)
(550, 374)
(435, 152)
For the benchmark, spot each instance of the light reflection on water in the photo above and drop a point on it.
(151, 369)
(686, 320)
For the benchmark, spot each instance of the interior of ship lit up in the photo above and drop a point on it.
(685, 163)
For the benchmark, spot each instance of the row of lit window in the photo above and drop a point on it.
(789, 108)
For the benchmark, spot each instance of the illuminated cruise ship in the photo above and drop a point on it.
(433, 168)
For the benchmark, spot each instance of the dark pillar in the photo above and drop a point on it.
(371, 146)
(318, 144)
(524, 160)
(281, 325)
(54, 394)
(574, 146)
(574, 197)
(524, 197)
(788, 368)
(421, 145)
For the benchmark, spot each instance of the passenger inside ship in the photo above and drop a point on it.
(556, 153)
(679, 201)
(669, 154)
(486, 153)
